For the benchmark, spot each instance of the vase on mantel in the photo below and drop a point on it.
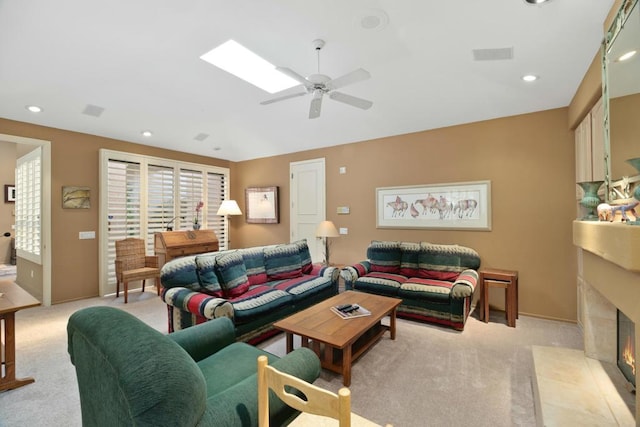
(590, 199)
(196, 225)
(636, 193)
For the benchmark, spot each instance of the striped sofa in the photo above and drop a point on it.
(436, 282)
(254, 287)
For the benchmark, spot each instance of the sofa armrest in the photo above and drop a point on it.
(465, 284)
(205, 339)
(301, 362)
(198, 303)
(350, 274)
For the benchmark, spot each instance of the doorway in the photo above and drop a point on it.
(40, 287)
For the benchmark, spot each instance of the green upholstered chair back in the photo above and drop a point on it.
(130, 374)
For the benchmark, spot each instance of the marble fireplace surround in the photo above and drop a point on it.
(608, 278)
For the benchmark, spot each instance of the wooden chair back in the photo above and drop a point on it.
(318, 400)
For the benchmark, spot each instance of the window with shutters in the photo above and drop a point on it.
(142, 195)
(28, 206)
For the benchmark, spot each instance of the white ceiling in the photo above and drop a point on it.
(139, 60)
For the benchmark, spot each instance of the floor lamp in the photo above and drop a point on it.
(325, 230)
(229, 208)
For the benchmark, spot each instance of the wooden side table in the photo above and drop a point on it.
(507, 279)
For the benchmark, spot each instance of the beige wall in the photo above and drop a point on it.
(529, 160)
(75, 161)
(7, 217)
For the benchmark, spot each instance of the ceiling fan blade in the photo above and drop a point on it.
(351, 100)
(295, 76)
(349, 78)
(316, 104)
(282, 98)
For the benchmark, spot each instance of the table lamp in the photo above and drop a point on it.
(325, 230)
(229, 207)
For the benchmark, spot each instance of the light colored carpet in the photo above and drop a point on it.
(428, 376)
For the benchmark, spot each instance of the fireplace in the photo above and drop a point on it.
(626, 348)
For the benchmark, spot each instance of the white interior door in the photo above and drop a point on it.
(308, 203)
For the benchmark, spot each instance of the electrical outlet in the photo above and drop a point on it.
(343, 170)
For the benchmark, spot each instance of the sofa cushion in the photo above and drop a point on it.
(380, 283)
(305, 256)
(259, 301)
(283, 262)
(445, 262)
(232, 274)
(205, 269)
(409, 260)
(254, 263)
(301, 287)
(385, 257)
(430, 289)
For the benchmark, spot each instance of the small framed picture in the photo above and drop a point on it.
(262, 205)
(76, 197)
(9, 193)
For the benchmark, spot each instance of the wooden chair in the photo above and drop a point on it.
(132, 264)
(318, 401)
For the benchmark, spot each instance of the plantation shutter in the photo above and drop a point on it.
(123, 189)
(216, 188)
(160, 205)
(191, 193)
(28, 206)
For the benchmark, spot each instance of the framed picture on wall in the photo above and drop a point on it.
(9, 193)
(262, 205)
(455, 206)
(76, 197)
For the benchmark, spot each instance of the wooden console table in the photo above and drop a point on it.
(13, 298)
(174, 244)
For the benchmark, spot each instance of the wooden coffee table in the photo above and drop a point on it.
(336, 341)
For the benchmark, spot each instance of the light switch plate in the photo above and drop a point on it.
(344, 230)
(342, 210)
(343, 170)
(86, 235)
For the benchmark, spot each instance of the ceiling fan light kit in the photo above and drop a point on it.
(319, 84)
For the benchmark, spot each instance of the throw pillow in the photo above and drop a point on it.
(305, 256)
(205, 269)
(384, 257)
(283, 262)
(232, 274)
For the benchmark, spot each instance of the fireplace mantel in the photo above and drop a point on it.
(618, 243)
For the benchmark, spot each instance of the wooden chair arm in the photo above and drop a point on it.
(151, 261)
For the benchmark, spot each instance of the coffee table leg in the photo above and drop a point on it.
(9, 380)
(392, 324)
(289, 336)
(346, 366)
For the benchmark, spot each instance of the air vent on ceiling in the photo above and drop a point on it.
(201, 136)
(497, 54)
(93, 110)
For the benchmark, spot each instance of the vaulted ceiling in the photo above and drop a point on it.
(116, 68)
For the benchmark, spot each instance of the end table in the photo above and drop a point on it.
(507, 279)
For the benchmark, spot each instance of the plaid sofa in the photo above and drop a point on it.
(436, 282)
(254, 287)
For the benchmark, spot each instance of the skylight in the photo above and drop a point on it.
(236, 59)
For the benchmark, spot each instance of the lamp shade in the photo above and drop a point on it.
(229, 207)
(326, 229)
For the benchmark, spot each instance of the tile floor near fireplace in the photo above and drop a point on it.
(574, 390)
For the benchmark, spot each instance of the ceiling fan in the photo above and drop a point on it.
(320, 84)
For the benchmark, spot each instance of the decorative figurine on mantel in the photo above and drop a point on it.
(607, 212)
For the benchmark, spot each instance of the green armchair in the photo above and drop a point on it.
(130, 374)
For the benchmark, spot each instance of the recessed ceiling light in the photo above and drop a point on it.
(236, 59)
(33, 108)
(147, 133)
(627, 55)
(217, 148)
(371, 19)
(536, 1)
(529, 78)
